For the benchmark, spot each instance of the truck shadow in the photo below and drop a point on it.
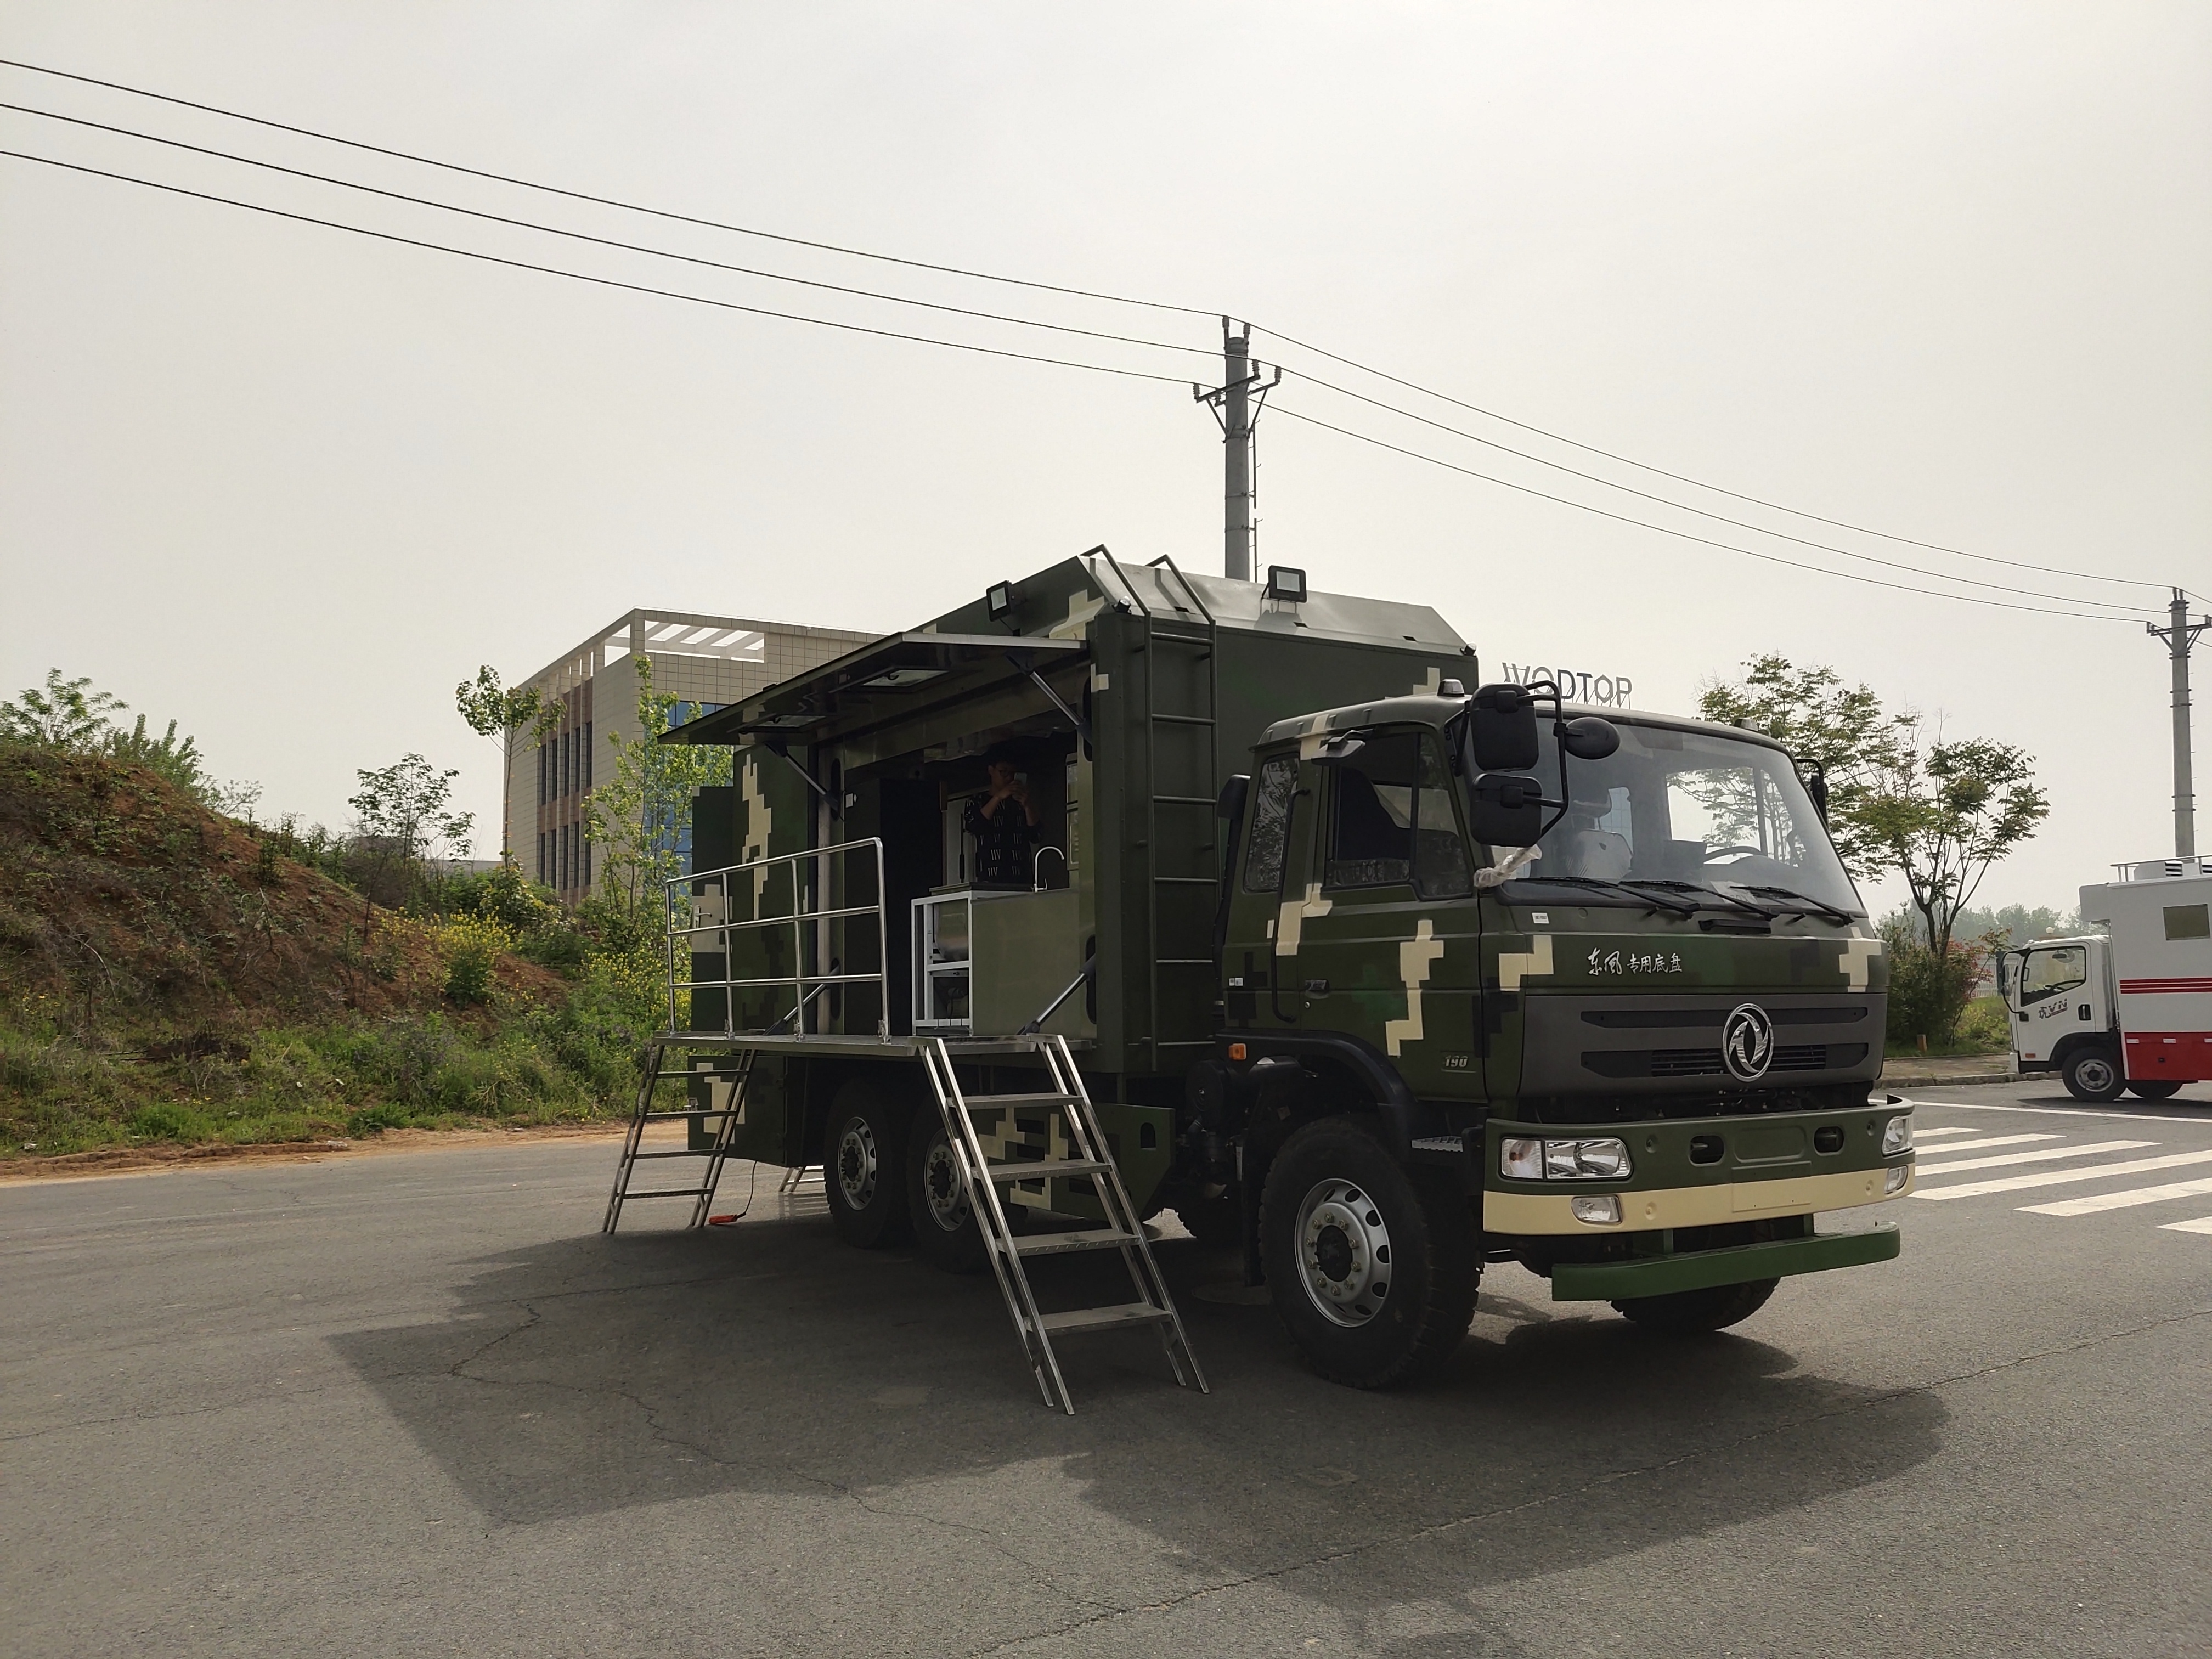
(591, 1374)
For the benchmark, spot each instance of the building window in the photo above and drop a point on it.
(587, 767)
(541, 842)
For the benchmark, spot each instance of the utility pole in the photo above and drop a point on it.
(1236, 404)
(2179, 636)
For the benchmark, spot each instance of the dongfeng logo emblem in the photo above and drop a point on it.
(1748, 1041)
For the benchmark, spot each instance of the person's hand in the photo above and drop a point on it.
(1019, 791)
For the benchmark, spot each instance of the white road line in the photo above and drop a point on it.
(1924, 1133)
(2044, 1155)
(2098, 1202)
(2060, 1177)
(2052, 1111)
(2202, 1225)
(1990, 1143)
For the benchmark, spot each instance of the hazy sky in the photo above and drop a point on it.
(1945, 271)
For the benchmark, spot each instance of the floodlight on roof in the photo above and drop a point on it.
(999, 599)
(1286, 585)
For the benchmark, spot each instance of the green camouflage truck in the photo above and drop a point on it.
(1441, 975)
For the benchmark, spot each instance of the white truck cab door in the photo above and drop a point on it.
(2055, 990)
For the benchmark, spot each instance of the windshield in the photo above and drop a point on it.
(1689, 807)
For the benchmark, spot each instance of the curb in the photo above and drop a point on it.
(1925, 1080)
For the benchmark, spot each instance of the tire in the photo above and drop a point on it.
(1372, 1268)
(945, 1231)
(864, 1163)
(1692, 1313)
(1214, 1221)
(2094, 1074)
(2153, 1090)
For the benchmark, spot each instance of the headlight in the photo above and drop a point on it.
(1896, 1136)
(1525, 1158)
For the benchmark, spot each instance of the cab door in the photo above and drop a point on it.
(1388, 946)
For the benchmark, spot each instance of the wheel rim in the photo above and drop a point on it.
(857, 1163)
(2095, 1075)
(1344, 1253)
(944, 1194)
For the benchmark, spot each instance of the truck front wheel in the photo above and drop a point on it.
(2094, 1074)
(1686, 1313)
(1372, 1268)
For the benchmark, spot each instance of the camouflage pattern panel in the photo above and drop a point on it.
(1596, 1014)
(764, 1129)
(1140, 1137)
(768, 815)
(1382, 938)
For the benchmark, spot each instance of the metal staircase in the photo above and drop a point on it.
(716, 1152)
(1087, 1155)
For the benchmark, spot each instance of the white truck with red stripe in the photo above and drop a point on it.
(2128, 1009)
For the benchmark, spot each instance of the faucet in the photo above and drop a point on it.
(1037, 866)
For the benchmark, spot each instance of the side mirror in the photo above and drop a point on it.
(1506, 810)
(1815, 776)
(1591, 738)
(1501, 729)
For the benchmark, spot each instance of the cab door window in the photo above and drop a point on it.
(2047, 973)
(1392, 822)
(1271, 820)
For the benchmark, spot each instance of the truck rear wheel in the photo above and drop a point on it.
(1687, 1313)
(944, 1231)
(1372, 1268)
(2153, 1090)
(863, 1164)
(2094, 1074)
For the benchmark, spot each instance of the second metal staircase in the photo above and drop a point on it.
(1087, 1155)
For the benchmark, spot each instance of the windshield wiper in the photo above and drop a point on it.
(1656, 901)
(1813, 906)
(1698, 887)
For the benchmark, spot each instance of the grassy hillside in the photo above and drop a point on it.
(168, 974)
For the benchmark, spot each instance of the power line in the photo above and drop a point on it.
(1718, 517)
(603, 241)
(1092, 293)
(1728, 547)
(601, 281)
(1061, 362)
(1645, 466)
(602, 201)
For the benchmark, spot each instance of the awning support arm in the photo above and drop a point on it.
(1021, 662)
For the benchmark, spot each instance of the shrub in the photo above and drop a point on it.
(1928, 992)
(165, 1120)
(1986, 1025)
(472, 946)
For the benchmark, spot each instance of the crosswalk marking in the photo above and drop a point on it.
(1990, 1143)
(2096, 1203)
(2043, 1156)
(1922, 1134)
(2058, 1177)
(2202, 1225)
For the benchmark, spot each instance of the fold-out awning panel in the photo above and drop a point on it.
(879, 683)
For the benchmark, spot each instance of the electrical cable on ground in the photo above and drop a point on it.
(607, 242)
(601, 281)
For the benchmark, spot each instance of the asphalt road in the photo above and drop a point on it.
(417, 1404)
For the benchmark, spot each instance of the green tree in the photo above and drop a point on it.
(1944, 812)
(514, 717)
(403, 815)
(68, 714)
(1843, 729)
(638, 816)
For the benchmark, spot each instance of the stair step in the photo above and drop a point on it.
(1086, 1238)
(1100, 1319)
(675, 1151)
(1048, 1167)
(669, 1191)
(983, 1103)
(666, 1117)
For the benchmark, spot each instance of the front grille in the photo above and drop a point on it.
(1706, 1062)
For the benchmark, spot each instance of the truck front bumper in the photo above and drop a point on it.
(1662, 1275)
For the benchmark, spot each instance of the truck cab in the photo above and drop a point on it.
(2128, 1010)
(1624, 1035)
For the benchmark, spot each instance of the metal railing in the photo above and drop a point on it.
(728, 904)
